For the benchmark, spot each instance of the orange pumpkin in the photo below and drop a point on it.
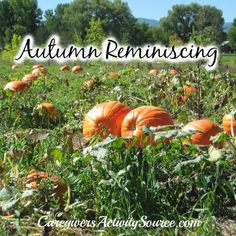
(13, 67)
(34, 178)
(104, 119)
(37, 66)
(216, 78)
(208, 129)
(89, 83)
(229, 124)
(39, 71)
(188, 90)
(113, 74)
(65, 67)
(153, 72)
(16, 86)
(76, 69)
(132, 125)
(29, 77)
(49, 109)
(172, 72)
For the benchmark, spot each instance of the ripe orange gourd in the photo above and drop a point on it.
(89, 83)
(229, 124)
(29, 77)
(172, 72)
(37, 66)
(34, 178)
(16, 86)
(104, 119)
(208, 129)
(64, 68)
(153, 72)
(49, 109)
(39, 71)
(188, 90)
(132, 125)
(113, 75)
(76, 69)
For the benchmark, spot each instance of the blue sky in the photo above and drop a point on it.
(155, 9)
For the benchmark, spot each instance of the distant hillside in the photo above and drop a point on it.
(153, 23)
(150, 22)
(227, 26)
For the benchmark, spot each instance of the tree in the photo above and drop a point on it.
(56, 23)
(159, 35)
(18, 17)
(139, 35)
(73, 19)
(232, 36)
(183, 20)
(95, 34)
(11, 48)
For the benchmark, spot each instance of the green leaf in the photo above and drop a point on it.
(121, 172)
(6, 194)
(27, 193)
(184, 163)
(99, 153)
(57, 154)
(215, 154)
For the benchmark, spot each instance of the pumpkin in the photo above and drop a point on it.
(76, 69)
(104, 119)
(34, 178)
(188, 90)
(207, 128)
(13, 67)
(132, 125)
(113, 74)
(49, 109)
(16, 86)
(216, 78)
(39, 71)
(29, 77)
(65, 67)
(172, 72)
(153, 72)
(89, 83)
(37, 66)
(229, 123)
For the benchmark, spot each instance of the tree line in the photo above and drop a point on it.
(90, 21)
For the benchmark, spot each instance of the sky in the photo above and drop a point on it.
(155, 9)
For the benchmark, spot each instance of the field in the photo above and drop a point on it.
(167, 181)
(228, 62)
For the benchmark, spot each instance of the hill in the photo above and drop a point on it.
(153, 23)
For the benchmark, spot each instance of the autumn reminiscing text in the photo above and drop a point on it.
(111, 50)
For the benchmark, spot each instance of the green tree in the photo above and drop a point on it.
(18, 17)
(73, 19)
(11, 48)
(56, 23)
(140, 34)
(95, 34)
(159, 35)
(232, 36)
(183, 20)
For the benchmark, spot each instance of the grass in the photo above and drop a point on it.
(163, 182)
(228, 62)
